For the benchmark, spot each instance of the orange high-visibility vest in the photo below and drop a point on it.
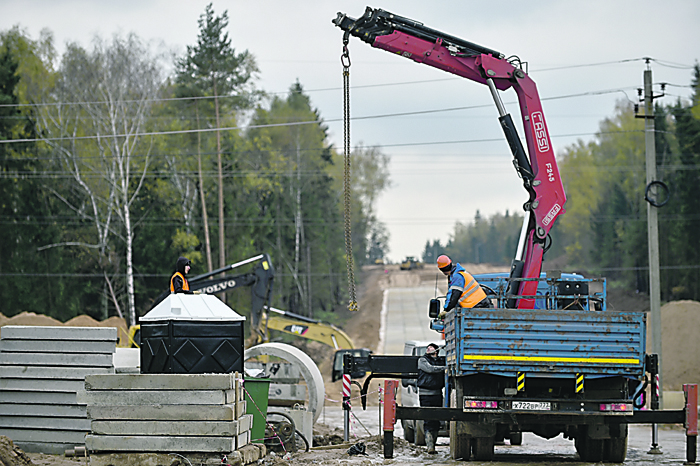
(185, 284)
(472, 294)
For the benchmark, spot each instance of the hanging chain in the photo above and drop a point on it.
(345, 60)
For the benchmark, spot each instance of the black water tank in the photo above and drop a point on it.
(191, 334)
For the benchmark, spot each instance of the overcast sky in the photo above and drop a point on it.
(584, 56)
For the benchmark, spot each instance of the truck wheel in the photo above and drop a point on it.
(516, 438)
(409, 433)
(460, 444)
(419, 433)
(616, 450)
(483, 448)
(595, 449)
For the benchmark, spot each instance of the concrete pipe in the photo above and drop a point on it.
(309, 370)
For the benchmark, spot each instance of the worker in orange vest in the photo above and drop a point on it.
(463, 289)
(178, 282)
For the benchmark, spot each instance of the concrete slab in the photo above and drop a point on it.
(186, 428)
(148, 397)
(57, 346)
(68, 386)
(59, 359)
(100, 443)
(10, 409)
(44, 422)
(161, 382)
(23, 332)
(72, 437)
(163, 412)
(38, 397)
(46, 372)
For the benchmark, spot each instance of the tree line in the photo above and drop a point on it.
(111, 168)
(604, 229)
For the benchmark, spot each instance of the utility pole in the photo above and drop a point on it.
(652, 197)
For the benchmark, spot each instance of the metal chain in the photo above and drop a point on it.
(345, 60)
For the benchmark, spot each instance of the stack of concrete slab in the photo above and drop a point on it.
(172, 413)
(41, 370)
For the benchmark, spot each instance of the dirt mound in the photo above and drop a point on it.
(680, 346)
(40, 320)
(10, 455)
(31, 318)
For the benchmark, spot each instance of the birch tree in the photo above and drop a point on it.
(94, 121)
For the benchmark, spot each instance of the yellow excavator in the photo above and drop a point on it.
(263, 317)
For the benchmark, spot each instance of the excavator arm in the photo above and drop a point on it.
(537, 167)
(295, 324)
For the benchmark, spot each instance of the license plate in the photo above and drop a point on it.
(532, 405)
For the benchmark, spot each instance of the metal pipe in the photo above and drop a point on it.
(523, 236)
(496, 98)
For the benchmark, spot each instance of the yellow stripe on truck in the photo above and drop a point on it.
(481, 357)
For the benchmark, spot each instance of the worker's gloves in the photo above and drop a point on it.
(197, 292)
(442, 315)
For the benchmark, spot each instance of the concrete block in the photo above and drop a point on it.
(163, 412)
(242, 439)
(48, 423)
(148, 397)
(278, 372)
(59, 373)
(251, 453)
(58, 359)
(72, 437)
(24, 332)
(38, 397)
(159, 444)
(57, 346)
(160, 382)
(20, 409)
(241, 407)
(245, 422)
(161, 428)
(68, 386)
(286, 394)
(127, 358)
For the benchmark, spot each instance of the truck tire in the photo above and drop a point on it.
(516, 438)
(595, 449)
(616, 450)
(616, 447)
(483, 448)
(409, 433)
(419, 434)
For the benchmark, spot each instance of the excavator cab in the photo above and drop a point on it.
(338, 363)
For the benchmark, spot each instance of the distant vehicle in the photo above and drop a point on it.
(379, 261)
(411, 263)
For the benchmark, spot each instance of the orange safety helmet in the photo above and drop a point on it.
(444, 263)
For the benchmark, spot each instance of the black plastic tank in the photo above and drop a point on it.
(191, 334)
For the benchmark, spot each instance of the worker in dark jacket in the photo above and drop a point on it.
(178, 282)
(463, 289)
(431, 380)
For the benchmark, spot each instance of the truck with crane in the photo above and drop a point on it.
(551, 359)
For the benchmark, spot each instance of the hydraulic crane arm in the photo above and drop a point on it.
(537, 167)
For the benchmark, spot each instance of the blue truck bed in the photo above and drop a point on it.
(545, 343)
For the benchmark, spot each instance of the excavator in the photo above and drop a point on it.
(263, 317)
